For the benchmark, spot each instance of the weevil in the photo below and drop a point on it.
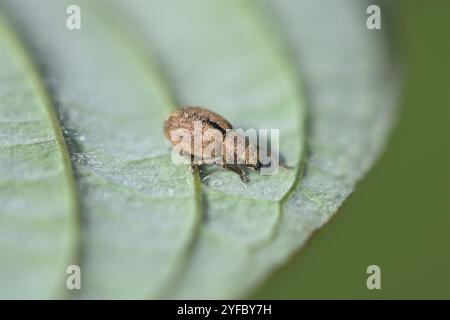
(211, 126)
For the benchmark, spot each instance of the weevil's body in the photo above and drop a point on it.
(210, 125)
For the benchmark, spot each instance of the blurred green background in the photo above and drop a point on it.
(399, 216)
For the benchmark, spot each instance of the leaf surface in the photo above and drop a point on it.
(38, 223)
(112, 108)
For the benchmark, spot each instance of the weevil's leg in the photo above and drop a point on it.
(197, 165)
(193, 165)
(237, 170)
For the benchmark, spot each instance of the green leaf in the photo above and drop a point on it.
(113, 107)
(38, 227)
(152, 229)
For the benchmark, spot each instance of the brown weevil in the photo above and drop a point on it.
(208, 138)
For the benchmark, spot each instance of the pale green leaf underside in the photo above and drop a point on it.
(151, 229)
(37, 205)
